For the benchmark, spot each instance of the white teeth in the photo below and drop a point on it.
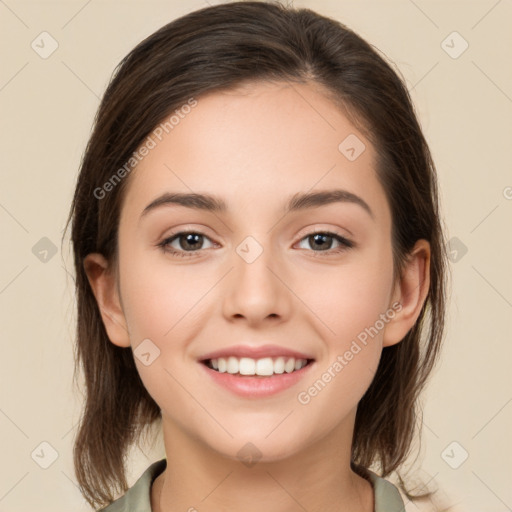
(264, 367)
(289, 366)
(232, 366)
(245, 366)
(279, 365)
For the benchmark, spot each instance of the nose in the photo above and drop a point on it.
(256, 289)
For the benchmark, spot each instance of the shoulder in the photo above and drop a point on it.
(138, 496)
(387, 497)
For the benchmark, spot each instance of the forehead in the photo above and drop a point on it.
(255, 146)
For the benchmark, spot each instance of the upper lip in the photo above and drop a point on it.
(255, 352)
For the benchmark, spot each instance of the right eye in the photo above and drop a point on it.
(184, 242)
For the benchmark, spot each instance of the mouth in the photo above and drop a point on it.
(260, 378)
(257, 372)
(264, 367)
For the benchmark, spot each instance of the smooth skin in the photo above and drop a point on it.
(255, 147)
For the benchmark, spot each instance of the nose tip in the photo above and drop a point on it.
(253, 291)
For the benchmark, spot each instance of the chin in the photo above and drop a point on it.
(251, 449)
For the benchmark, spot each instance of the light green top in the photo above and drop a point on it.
(137, 498)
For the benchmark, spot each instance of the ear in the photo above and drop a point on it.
(409, 294)
(103, 283)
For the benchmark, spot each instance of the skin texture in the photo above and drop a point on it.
(255, 147)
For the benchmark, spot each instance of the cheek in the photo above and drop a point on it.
(353, 308)
(159, 298)
(164, 304)
(350, 297)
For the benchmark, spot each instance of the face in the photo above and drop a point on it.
(262, 277)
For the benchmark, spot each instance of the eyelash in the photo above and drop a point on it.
(345, 243)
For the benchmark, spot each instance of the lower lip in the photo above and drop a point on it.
(257, 387)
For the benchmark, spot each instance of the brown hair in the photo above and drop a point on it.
(217, 48)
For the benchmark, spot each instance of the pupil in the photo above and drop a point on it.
(191, 238)
(320, 237)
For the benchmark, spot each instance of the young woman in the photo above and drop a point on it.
(260, 268)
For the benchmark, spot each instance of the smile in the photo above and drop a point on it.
(263, 367)
(256, 378)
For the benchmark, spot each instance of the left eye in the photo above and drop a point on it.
(324, 240)
(190, 242)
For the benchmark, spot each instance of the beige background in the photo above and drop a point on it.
(465, 107)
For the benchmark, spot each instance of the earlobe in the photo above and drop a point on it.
(103, 284)
(410, 292)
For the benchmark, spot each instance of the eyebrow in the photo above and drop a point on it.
(297, 202)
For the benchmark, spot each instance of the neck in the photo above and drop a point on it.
(318, 478)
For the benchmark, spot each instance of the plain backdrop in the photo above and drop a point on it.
(456, 59)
